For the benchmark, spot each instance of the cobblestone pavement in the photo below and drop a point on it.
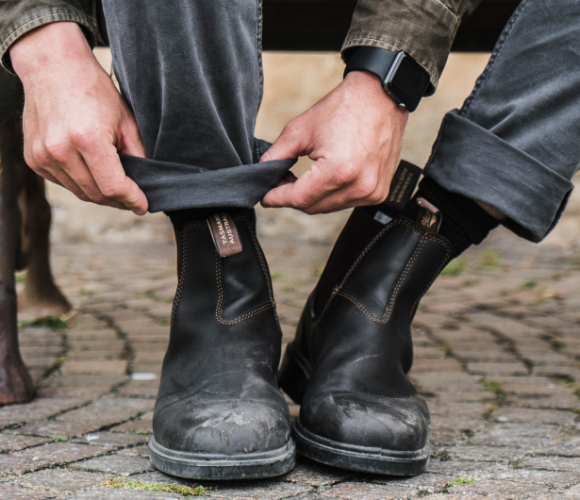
(497, 344)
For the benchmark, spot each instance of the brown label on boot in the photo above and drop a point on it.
(403, 184)
(225, 234)
(429, 217)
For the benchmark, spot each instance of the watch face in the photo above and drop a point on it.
(408, 81)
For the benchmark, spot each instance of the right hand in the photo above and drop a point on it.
(75, 122)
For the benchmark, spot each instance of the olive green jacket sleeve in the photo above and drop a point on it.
(424, 29)
(18, 17)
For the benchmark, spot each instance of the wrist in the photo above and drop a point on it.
(371, 85)
(52, 45)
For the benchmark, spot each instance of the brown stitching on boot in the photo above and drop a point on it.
(258, 310)
(188, 226)
(398, 285)
(360, 257)
(443, 264)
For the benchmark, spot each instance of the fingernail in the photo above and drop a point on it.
(138, 211)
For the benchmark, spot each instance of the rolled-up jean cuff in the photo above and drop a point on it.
(174, 186)
(470, 160)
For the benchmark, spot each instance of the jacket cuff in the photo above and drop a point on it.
(36, 17)
(426, 33)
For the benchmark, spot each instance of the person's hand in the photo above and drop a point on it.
(75, 122)
(354, 134)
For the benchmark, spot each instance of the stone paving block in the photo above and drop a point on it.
(488, 369)
(517, 435)
(73, 392)
(10, 442)
(457, 411)
(439, 365)
(485, 356)
(107, 355)
(97, 345)
(118, 465)
(39, 352)
(254, 490)
(569, 448)
(58, 428)
(508, 490)
(559, 401)
(101, 380)
(486, 453)
(38, 408)
(553, 479)
(46, 455)
(528, 415)
(102, 335)
(155, 357)
(310, 473)
(557, 371)
(94, 367)
(370, 491)
(61, 480)
(116, 494)
(11, 492)
(455, 468)
(151, 343)
(147, 367)
(553, 463)
(140, 388)
(113, 439)
(425, 482)
(108, 411)
(136, 451)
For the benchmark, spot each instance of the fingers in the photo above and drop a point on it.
(324, 189)
(109, 176)
(130, 142)
(60, 162)
(290, 144)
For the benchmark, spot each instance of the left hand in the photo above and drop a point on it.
(354, 135)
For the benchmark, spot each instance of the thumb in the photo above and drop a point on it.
(130, 142)
(289, 145)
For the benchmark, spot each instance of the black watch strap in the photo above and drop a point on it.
(373, 59)
(403, 79)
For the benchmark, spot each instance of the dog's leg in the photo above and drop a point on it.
(40, 296)
(15, 382)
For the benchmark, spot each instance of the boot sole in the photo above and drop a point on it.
(359, 458)
(209, 466)
(293, 378)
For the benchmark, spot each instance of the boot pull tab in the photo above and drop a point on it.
(429, 218)
(225, 234)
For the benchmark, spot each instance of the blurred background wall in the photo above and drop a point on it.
(293, 83)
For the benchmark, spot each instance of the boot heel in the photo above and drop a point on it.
(294, 374)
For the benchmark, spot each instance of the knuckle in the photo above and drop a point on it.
(112, 191)
(364, 189)
(83, 136)
(38, 155)
(346, 175)
(55, 149)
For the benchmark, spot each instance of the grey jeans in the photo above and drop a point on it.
(194, 82)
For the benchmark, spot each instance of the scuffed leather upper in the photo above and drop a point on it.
(218, 391)
(359, 344)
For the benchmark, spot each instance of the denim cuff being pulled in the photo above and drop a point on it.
(470, 160)
(175, 186)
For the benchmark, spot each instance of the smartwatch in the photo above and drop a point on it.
(404, 80)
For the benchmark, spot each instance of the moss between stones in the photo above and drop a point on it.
(124, 483)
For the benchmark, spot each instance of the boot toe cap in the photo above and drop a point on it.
(222, 427)
(359, 419)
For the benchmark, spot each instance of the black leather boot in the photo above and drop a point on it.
(347, 366)
(219, 413)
